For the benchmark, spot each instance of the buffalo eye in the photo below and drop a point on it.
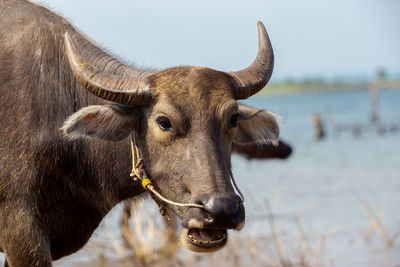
(164, 123)
(234, 120)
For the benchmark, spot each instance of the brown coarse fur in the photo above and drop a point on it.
(60, 172)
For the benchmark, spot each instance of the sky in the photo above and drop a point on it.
(343, 39)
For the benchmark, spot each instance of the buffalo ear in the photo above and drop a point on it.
(256, 126)
(108, 122)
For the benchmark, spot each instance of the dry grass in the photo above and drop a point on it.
(147, 239)
(309, 255)
(148, 242)
(308, 252)
(379, 225)
(271, 239)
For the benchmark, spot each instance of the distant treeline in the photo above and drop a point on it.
(319, 84)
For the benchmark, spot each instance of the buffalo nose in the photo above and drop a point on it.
(220, 206)
(223, 211)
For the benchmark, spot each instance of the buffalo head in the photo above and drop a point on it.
(185, 120)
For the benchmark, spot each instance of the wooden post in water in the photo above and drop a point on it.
(318, 126)
(374, 101)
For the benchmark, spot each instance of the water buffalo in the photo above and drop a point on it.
(67, 110)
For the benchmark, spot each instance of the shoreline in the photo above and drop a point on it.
(297, 89)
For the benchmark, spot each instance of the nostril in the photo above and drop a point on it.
(209, 219)
(239, 216)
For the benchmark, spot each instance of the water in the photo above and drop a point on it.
(328, 181)
(324, 183)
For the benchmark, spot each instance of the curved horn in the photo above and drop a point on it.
(115, 88)
(256, 76)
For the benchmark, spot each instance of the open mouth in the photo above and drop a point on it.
(204, 240)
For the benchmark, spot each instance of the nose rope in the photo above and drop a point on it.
(139, 173)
